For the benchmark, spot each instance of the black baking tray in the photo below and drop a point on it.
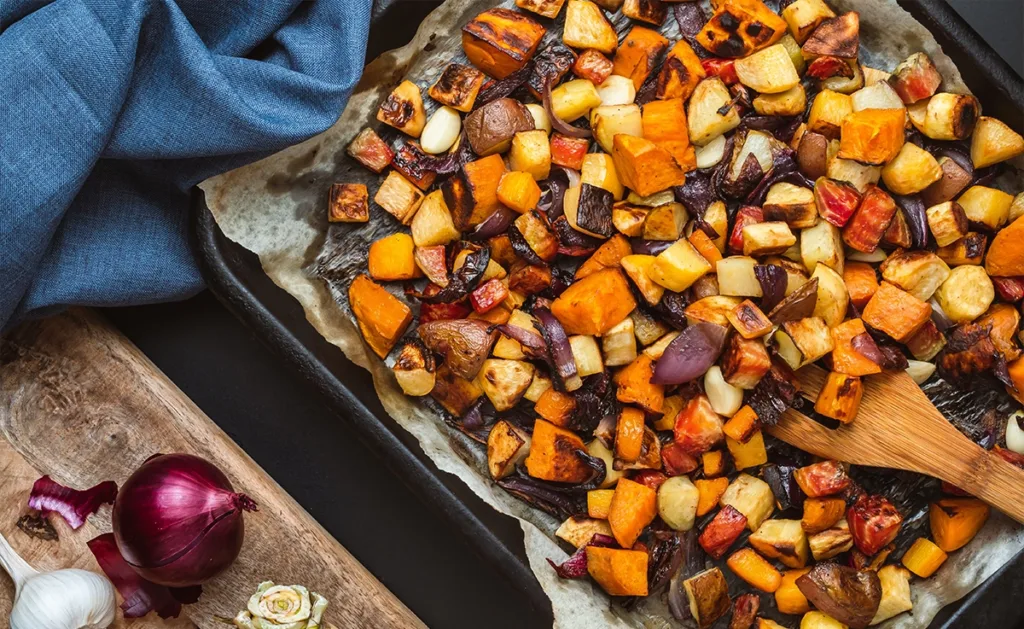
(235, 276)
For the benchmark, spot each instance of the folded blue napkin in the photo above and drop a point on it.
(111, 110)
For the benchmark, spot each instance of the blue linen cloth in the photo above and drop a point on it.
(111, 110)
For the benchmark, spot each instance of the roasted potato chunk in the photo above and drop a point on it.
(587, 27)
(457, 87)
(403, 109)
(507, 447)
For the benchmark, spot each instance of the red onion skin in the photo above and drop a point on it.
(178, 522)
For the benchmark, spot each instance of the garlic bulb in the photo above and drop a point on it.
(62, 599)
(1014, 433)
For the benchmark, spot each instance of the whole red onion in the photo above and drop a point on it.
(177, 520)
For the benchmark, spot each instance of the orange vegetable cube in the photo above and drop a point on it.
(599, 502)
(896, 312)
(519, 191)
(749, 454)
(680, 73)
(629, 434)
(644, 167)
(923, 558)
(755, 570)
(955, 521)
(845, 359)
(709, 492)
(391, 258)
(638, 54)
(633, 507)
(381, 316)
(742, 426)
(861, 282)
(664, 123)
(634, 385)
(501, 41)
(619, 572)
(594, 304)
(348, 203)
(821, 513)
(593, 66)
(788, 598)
(608, 255)
(555, 407)
(872, 136)
(553, 455)
(749, 320)
(713, 463)
(698, 427)
(471, 195)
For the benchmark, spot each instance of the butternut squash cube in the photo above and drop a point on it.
(840, 397)
(471, 195)
(755, 570)
(749, 454)
(501, 41)
(1005, 256)
(518, 191)
(680, 73)
(955, 521)
(788, 598)
(381, 316)
(872, 136)
(664, 123)
(644, 167)
(896, 312)
(710, 491)
(923, 557)
(594, 304)
(391, 258)
(633, 507)
(635, 386)
(618, 572)
(553, 455)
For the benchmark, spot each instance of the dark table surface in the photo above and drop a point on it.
(274, 414)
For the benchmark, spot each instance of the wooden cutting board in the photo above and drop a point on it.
(79, 402)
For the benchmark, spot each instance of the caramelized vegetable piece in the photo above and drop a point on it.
(821, 514)
(507, 447)
(833, 541)
(391, 258)
(994, 142)
(955, 521)
(680, 73)
(414, 369)
(599, 502)
(634, 385)
(370, 150)
(568, 152)
(709, 493)
(501, 41)
(638, 54)
(740, 27)
(744, 362)
(664, 123)
(471, 195)
(465, 343)
(822, 479)
(755, 570)
(835, 37)
(698, 427)
(554, 455)
(708, 595)
(556, 407)
(840, 397)
(593, 66)
(650, 11)
(381, 316)
(1005, 255)
(722, 532)
(453, 392)
(783, 540)
(547, 8)
(865, 230)
(872, 136)
(594, 304)
(348, 203)
(788, 598)
(608, 255)
(619, 572)
(629, 434)
(633, 507)
(490, 128)
(713, 463)
(643, 167)
(399, 197)
(923, 558)
(803, 16)
(850, 596)
(403, 109)
(587, 27)
(896, 312)
(519, 191)
(846, 359)
(457, 87)
(874, 523)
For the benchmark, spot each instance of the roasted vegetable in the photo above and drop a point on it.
(637, 56)
(821, 514)
(697, 427)
(555, 455)
(677, 503)
(391, 258)
(783, 540)
(896, 312)
(664, 123)
(403, 109)
(916, 78)
(507, 447)
(501, 41)
(822, 479)
(994, 142)
(708, 595)
(794, 205)
(490, 128)
(633, 507)
(751, 453)
(744, 362)
(465, 343)
(803, 16)
(643, 167)
(594, 304)
(370, 150)
(955, 521)
(680, 73)
(619, 572)
(840, 397)
(381, 316)
(828, 112)
(471, 195)
(414, 369)
(348, 203)
(966, 293)
(586, 27)
(593, 66)
(833, 541)
(850, 596)
(741, 27)
(768, 71)
(711, 113)
(722, 531)
(399, 197)
(750, 496)
(874, 523)
(788, 598)
(872, 136)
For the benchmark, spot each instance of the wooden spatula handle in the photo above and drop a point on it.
(990, 478)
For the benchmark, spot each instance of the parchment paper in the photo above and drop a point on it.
(277, 209)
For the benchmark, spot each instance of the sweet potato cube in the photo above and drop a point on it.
(403, 109)
(664, 124)
(755, 570)
(348, 203)
(568, 152)
(594, 304)
(821, 514)
(896, 312)
(872, 136)
(391, 258)
(381, 316)
(554, 455)
(923, 557)
(507, 447)
(556, 407)
(457, 87)
(713, 463)
(705, 246)
(519, 191)
(608, 255)
(955, 521)
(722, 532)
(840, 397)
(644, 167)
(846, 359)
(638, 54)
(629, 434)
(680, 73)
(788, 598)
(742, 426)
(744, 362)
(650, 11)
(1005, 256)
(370, 150)
(709, 493)
(547, 8)
(861, 282)
(472, 194)
(599, 502)
(635, 386)
(741, 27)
(619, 572)
(633, 507)
(501, 41)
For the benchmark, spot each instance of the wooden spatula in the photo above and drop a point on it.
(898, 427)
